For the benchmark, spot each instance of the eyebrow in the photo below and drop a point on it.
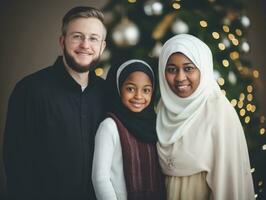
(92, 34)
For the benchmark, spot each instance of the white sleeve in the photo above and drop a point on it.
(230, 177)
(105, 142)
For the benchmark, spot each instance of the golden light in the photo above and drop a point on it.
(215, 35)
(241, 97)
(248, 107)
(176, 5)
(226, 28)
(203, 23)
(253, 108)
(256, 74)
(132, 1)
(249, 88)
(238, 32)
(242, 112)
(234, 55)
(235, 42)
(247, 119)
(220, 81)
(262, 131)
(99, 71)
(231, 36)
(250, 97)
(221, 46)
(234, 102)
(225, 63)
(264, 147)
(240, 104)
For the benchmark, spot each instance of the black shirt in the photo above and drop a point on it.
(49, 136)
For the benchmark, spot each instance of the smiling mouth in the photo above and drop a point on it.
(137, 105)
(182, 88)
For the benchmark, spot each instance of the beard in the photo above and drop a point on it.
(77, 67)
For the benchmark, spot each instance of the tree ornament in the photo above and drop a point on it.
(126, 33)
(153, 7)
(156, 50)
(179, 26)
(245, 21)
(232, 78)
(245, 47)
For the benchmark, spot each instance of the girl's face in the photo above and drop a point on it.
(136, 91)
(182, 76)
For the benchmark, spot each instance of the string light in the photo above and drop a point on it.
(264, 147)
(262, 131)
(220, 81)
(242, 112)
(234, 55)
(203, 23)
(176, 5)
(240, 104)
(99, 71)
(235, 42)
(226, 28)
(234, 102)
(250, 97)
(247, 119)
(249, 88)
(132, 1)
(221, 46)
(238, 32)
(256, 74)
(241, 96)
(215, 35)
(225, 63)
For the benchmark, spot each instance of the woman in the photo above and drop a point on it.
(202, 148)
(125, 164)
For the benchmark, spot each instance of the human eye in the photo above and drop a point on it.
(189, 68)
(147, 90)
(130, 89)
(94, 39)
(170, 69)
(77, 37)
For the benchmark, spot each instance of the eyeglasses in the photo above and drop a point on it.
(79, 38)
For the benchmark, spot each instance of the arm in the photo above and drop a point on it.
(17, 151)
(230, 177)
(105, 143)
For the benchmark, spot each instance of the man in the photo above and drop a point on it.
(53, 115)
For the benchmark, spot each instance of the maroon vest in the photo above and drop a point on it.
(143, 176)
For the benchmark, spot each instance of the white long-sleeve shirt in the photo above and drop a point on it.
(107, 170)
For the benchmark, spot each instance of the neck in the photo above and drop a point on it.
(81, 78)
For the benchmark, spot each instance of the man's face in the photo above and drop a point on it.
(83, 44)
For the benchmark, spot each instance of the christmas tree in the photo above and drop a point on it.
(138, 29)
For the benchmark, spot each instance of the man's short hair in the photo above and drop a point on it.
(82, 12)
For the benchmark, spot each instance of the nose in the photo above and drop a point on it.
(85, 43)
(180, 76)
(138, 94)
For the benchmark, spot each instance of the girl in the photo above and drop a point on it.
(125, 164)
(202, 148)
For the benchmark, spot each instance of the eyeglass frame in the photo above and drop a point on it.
(93, 39)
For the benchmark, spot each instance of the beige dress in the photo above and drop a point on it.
(188, 187)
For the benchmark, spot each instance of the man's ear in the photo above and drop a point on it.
(61, 42)
(103, 46)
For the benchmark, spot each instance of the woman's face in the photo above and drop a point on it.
(136, 91)
(182, 76)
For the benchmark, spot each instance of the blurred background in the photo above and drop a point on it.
(235, 30)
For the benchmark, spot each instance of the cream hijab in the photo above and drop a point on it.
(175, 114)
(202, 133)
